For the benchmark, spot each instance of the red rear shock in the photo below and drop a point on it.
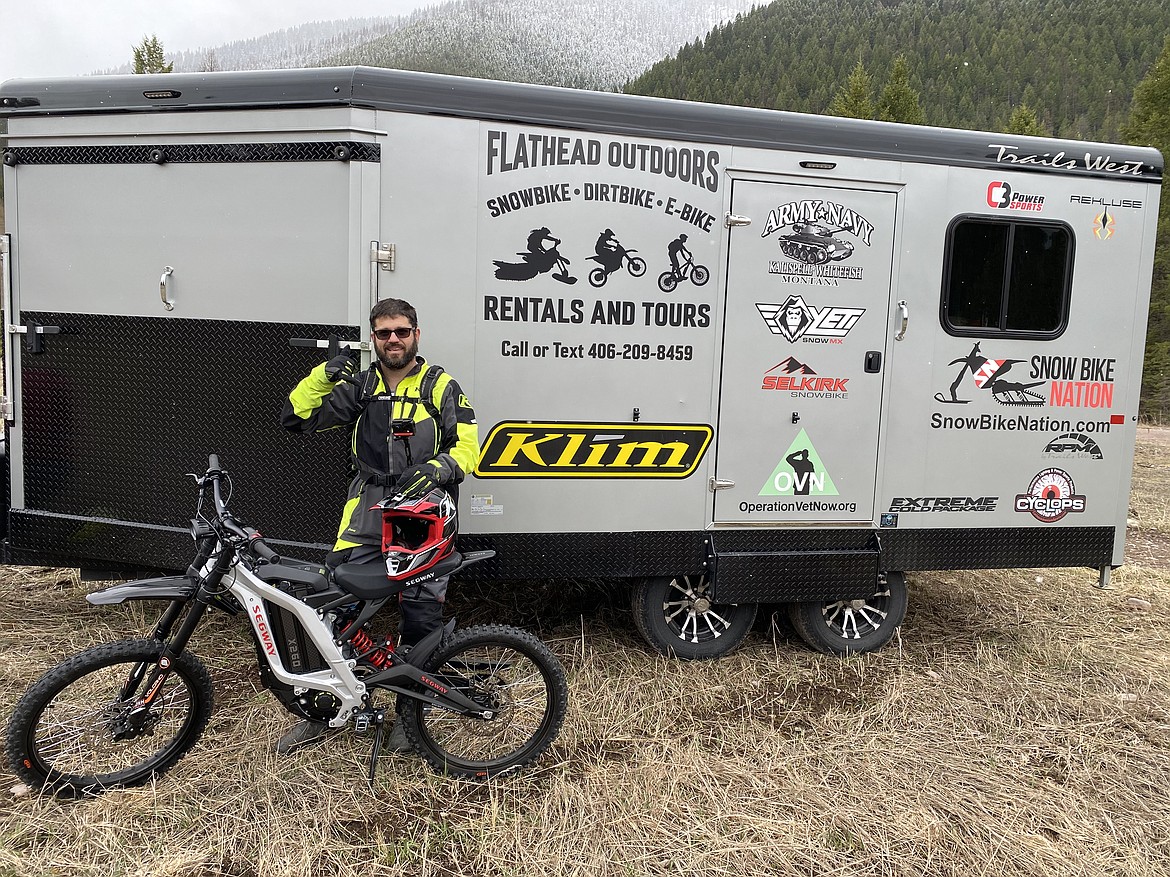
(366, 650)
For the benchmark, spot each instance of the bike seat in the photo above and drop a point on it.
(366, 581)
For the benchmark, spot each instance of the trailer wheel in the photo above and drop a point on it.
(676, 617)
(851, 627)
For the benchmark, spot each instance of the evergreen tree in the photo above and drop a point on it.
(209, 63)
(1149, 125)
(148, 57)
(1023, 121)
(899, 101)
(855, 98)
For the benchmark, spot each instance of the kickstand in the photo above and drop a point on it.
(379, 724)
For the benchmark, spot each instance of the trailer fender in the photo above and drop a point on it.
(166, 588)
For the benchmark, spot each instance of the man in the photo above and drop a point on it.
(677, 250)
(413, 430)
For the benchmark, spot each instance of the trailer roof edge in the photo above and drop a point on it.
(619, 114)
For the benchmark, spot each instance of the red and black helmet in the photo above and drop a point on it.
(417, 533)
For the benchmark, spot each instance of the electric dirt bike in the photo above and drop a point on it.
(474, 703)
(698, 274)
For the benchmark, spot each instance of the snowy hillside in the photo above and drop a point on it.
(592, 44)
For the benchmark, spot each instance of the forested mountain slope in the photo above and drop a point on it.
(1075, 62)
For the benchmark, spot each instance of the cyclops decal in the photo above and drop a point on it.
(593, 450)
(1050, 496)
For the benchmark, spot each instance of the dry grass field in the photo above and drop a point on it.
(1019, 725)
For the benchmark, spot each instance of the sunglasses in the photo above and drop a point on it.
(402, 332)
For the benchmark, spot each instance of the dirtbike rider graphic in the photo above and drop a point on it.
(676, 249)
(413, 430)
(609, 251)
(538, 259)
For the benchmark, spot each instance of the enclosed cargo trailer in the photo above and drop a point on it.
(733, 356)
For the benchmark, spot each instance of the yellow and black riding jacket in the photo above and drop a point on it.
(430, 413)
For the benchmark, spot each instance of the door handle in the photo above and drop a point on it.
(905, 311)
(163, 283)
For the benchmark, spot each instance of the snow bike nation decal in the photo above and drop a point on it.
(1057, 381)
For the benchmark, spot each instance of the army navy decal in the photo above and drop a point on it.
(593, 450)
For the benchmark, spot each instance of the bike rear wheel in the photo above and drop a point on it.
(70, 733)
(510, 672)
(667, 281)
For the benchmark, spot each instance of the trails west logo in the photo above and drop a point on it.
(1001, 196)
(796, 319)
(813, 241)
(593, 450)
(802, 382)
(1050, 496)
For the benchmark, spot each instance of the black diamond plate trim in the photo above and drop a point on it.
(794, 577)
(997, 548)
(192, 153)
(117, 409)
(586, 555)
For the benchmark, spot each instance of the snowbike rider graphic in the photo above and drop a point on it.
(1003, 391)
(538, 259)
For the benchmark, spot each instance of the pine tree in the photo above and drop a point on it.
(855, 98)
(899, 101)
(1149, 125)
(1023, 121)
(148, 57)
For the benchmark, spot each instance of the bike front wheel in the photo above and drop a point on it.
(510, 672)
(72, 733)
(636, 266)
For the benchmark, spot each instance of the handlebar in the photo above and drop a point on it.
(252, 540)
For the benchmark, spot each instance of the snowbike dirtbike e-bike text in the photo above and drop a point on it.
(474, 703)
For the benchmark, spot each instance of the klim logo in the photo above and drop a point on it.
(593, 450)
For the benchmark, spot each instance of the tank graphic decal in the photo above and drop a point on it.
(813, 235)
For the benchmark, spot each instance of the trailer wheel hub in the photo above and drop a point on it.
(701, 605)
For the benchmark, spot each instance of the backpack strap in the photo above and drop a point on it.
(426, 391)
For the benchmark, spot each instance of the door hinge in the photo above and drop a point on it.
(6, 408)
(731, 220)
(719, 484)
(384, 255)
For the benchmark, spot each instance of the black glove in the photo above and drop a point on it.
(344, 365)
(419, 480)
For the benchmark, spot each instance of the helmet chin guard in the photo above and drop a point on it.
(417, 533)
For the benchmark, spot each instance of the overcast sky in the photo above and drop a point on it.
(75, 37)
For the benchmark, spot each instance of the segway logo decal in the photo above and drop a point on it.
(795, 319)
(593, 450)
(800, 472)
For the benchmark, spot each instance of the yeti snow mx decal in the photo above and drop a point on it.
(796, 320)
(593, 450)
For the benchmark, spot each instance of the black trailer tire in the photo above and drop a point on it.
(64, 733)
(676, 617)
(852, 627)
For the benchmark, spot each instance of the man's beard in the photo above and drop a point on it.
(396, 361)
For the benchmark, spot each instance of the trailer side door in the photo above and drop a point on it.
(806, 315)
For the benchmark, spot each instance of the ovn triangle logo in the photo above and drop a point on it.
(800, 472)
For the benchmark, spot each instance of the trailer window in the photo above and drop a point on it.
(1007, 277)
